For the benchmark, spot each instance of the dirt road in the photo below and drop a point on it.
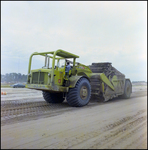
(28, 122)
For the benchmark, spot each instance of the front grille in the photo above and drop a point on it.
(38, 78)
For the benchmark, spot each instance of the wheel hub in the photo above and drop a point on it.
(83, 92)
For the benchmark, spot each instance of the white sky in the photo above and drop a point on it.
(97, 31)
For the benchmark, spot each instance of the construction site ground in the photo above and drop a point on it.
(28, 122)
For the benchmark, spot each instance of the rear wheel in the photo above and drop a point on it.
(53, 97)
(79, 95)
(127, 89)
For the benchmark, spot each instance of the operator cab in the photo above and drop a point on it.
(53, 71)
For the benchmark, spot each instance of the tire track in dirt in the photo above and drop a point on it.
(141, 144)
(107, 137)
(14, 111)
(125, 132)
(113, 134)
(88, 133)
(89, 140)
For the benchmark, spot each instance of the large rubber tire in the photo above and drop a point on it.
(75, 97)
(53, 97)
(127, 89)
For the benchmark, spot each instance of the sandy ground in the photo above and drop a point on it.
(118, 123)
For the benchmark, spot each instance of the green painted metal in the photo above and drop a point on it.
(106, 80)
(53, 79)
(49, 88)
(73, 80)
(103, 78)
(82, 70)
(56, 75)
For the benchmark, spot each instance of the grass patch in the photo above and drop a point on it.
(5, 86)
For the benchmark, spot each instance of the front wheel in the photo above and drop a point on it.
(53, 97)
(79, 95)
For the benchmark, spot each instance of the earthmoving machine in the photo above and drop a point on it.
(99, 80)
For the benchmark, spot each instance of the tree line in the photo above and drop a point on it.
(13, 77)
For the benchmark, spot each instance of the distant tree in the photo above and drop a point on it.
(13, 77)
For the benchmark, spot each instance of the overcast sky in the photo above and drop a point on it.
(97, 31)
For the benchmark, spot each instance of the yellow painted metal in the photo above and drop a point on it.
(102, 87)
(118, 83)
(106, 80)
(80, 67)
(73, 80)
(61, 53)
(54, 77)
(103, 78)
(58, 77)
(47, 87)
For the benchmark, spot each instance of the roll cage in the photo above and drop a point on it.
(55, 55)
